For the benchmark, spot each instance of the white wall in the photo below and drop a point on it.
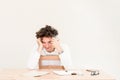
(90, 27)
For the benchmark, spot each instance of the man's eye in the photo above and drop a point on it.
(43, 42)
(50, 42)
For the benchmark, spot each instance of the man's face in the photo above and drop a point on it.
(47, 43)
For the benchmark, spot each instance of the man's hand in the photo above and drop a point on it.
(56, 44)
(40, 45)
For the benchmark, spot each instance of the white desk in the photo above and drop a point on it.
(17, 74)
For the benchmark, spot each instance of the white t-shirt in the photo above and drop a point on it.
(65, 58)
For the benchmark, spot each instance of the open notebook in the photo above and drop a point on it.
(35, 73)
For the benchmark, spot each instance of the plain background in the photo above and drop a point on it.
(91, 28)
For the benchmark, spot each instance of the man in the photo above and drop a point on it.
(49, 53)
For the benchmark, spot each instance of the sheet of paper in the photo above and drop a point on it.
(35, 73)
(62, 72)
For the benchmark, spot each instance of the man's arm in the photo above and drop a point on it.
(34, 58)
(65, 57)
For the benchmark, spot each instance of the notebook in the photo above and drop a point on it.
(35, 73)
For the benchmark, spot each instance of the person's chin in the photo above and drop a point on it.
(48, 50)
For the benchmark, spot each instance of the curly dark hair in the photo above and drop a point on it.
(46, 31)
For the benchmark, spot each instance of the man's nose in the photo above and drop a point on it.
(47, 45)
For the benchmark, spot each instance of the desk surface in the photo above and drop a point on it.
(17, 74)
